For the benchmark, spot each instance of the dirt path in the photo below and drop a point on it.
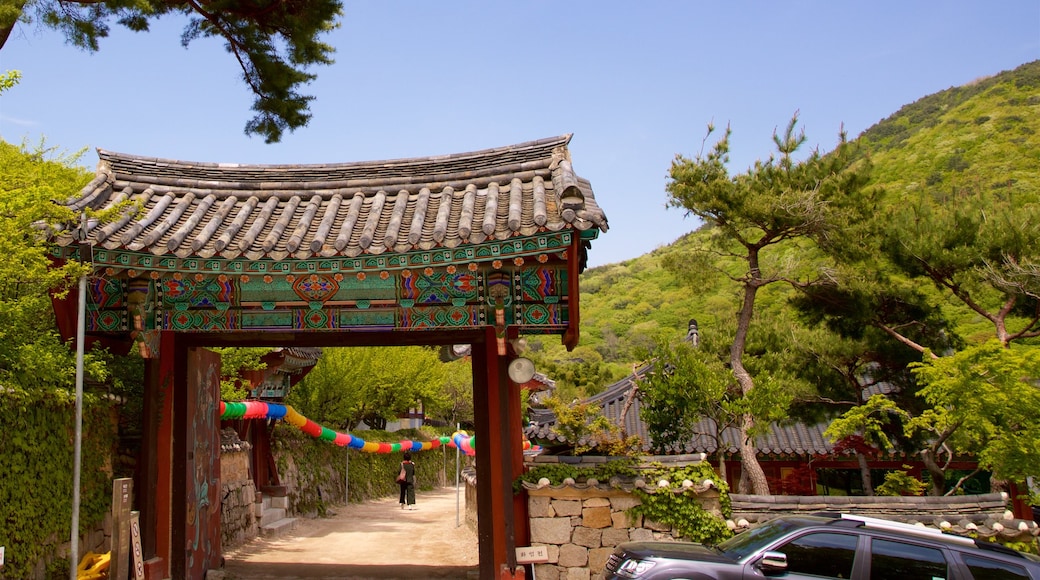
(376, 539)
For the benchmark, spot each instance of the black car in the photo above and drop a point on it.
(826, 546)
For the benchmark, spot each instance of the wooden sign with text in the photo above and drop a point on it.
(532, 555)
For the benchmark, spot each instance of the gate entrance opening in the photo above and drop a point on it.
(472, 248)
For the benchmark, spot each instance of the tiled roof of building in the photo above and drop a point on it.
(230, 211)
(787, 439)
(296, 358)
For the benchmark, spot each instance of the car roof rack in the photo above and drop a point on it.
(995, 547)
(889, 525)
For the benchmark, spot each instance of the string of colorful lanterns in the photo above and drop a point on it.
(261, 410)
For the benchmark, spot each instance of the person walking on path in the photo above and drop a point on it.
(406, 479)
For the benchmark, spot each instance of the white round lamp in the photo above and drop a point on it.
(521, 370)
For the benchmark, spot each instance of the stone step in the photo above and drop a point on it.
(269, 502)
(278, 528)
(271, 515)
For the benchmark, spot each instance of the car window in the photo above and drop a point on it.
(986, 569)
(900, 561)
(821, 554)
(746, 543)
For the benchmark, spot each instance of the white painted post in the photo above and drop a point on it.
(135, 545)
(81, 331)
(457, 462)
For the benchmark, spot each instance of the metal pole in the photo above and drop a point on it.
(457, 461)
(81, 317)
(346, 480)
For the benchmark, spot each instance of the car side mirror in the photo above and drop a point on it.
(773, 563)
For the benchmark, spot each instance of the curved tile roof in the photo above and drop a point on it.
(229, 211)
(782, 439)
(297, 358)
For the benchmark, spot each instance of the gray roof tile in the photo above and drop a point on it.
(782, 439)
(234, 211)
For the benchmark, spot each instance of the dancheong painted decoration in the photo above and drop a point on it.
(494, 237)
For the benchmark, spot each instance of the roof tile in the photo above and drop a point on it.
(232, 210)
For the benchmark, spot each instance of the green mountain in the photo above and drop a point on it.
(985, 133)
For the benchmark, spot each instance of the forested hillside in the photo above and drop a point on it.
(983, 135)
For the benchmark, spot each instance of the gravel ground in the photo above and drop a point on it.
(376, 539)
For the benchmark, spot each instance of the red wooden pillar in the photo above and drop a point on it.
(161, 384)
(496, 446)
(516, 455)
(1019, 506)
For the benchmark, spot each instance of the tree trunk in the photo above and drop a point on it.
(752, 478)
(864, 474)
(935, 471)
(623, 419)
(9, 20)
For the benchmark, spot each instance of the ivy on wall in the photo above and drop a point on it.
(681, 510)
(37, 433)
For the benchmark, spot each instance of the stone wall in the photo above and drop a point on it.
(984, 515)
(239, 507)
(469, 478)
(580, 524)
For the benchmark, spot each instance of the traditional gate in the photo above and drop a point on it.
(471, 248)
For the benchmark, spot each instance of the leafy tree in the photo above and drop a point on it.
(9, 79)
(233, 361)
(985, 399)
(941, 272)
(689, 385)
(454, 406)
(900, 482)
(864, 426)
(578, 374)
(683, 387)
(274, 42)
(847, 361)
(585, 427)
(32, 355)
(37, 370)
(773, 204)
(371, 384)
(979, 246)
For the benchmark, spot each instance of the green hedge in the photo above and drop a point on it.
(36, 458)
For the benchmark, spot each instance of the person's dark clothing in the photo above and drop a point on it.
(408, 485)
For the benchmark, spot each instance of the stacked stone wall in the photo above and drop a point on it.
(239, 511)
(469, 477)
(986, 516)
(580, 525)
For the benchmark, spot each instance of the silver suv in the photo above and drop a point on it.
(826, 546)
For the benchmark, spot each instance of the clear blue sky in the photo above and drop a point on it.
(635, 82)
